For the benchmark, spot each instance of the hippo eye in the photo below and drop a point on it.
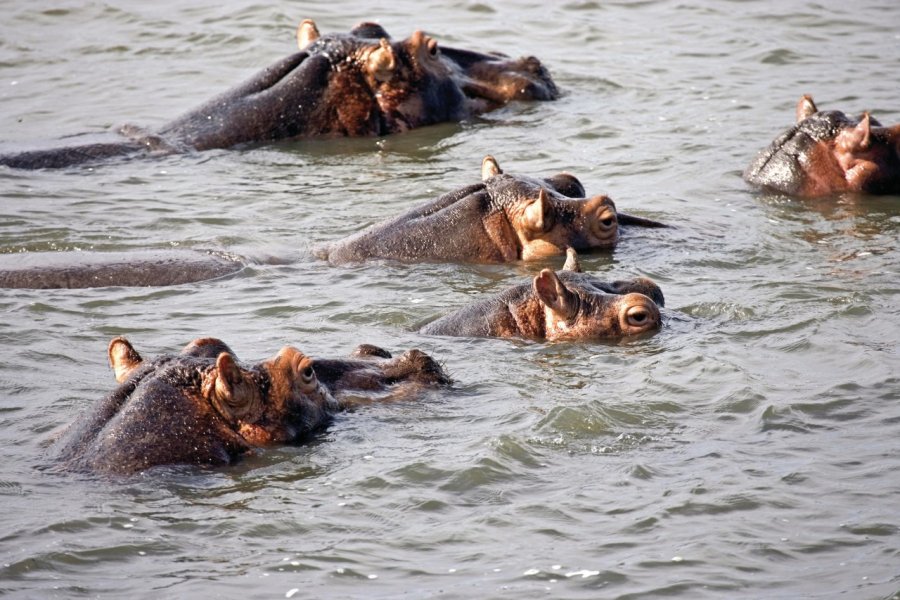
(638, 316)
(607, 220)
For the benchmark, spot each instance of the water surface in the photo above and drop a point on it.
(750, 449)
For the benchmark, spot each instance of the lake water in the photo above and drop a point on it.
(751, 449)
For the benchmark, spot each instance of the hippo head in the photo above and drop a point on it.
(545, 218)
(574, 311)
(829, 152)
(410, 81)
(278, 400)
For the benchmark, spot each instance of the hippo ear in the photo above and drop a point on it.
(555, 296)
(538, 216)
(806, 107)
(381, 62)
(857, 139)
(123, 358)
(572, 263)
(489, 168)
(307, 33)
(235, 396)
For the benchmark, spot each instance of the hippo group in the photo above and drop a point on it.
(203, 407)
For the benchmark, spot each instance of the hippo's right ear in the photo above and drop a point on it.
(123, 358)
(806, 107)
(555, 296)
(381, 62)
(489, 168)
(307, 33)
(572, 263)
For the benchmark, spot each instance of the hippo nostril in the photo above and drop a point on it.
(607, 222)
(432, 47)
(641, 314)
(638, 316)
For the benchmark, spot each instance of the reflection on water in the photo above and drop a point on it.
(747, 449)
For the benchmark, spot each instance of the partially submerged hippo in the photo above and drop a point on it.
(559, 306)
(355, 84)
(137, 268)
(503, 218)
(829, 152)
(201, 407)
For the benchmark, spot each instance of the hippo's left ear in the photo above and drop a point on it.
(806, 107)
(307, 33)
(555, 295)
(489, 167)
(123, 358)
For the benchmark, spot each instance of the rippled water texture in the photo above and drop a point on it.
(750, 449)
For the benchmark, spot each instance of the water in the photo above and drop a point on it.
(750, 449)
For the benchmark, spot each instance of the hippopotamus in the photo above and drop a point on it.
(565, 305)
(360, 83)
(830, 152)
(503, 218)
(137, 268)
(203, 407)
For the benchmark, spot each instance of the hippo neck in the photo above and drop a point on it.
(527, 312)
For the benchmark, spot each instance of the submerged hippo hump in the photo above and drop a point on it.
(559, 306)
(138, 268)
(829, 152)
(202, 407)
(360, 83)
(504, 218)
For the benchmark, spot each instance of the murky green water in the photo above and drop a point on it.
(750, 449)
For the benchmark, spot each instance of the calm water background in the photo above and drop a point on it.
(750, 449)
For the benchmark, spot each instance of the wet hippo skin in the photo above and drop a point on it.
(504, 218)
(360, 83)
(202, 407)
(137, 268)
(829, 152)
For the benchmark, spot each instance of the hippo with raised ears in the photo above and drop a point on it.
(560, 306)
(202, 407)
(829, 152)
(360, 83)
(502, 219)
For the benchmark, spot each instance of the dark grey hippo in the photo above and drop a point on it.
(504, 218)
(829, 152)
(360, 83)
(202, 407)
(565, 305)
(137, 268)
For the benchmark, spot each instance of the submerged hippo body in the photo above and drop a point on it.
(138, 268)
(504, 218)
(201, 407)
(355, 84)
(829, 152)
(559, 306)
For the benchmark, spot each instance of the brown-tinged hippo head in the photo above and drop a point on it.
(503, 218)
(829, 152)
(560, 306)
(359, 83)
(203, 407)
(546, 221)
